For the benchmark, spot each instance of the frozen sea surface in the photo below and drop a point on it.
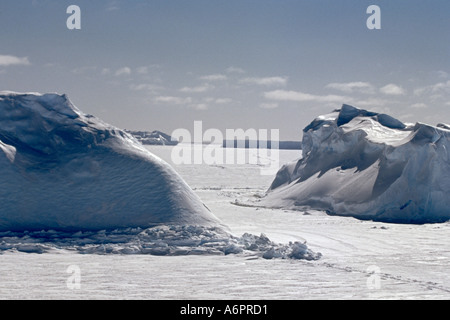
(360, 259)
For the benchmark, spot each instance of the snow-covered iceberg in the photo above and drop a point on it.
(369, 166)
(62, 169)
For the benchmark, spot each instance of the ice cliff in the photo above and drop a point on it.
(369, 166)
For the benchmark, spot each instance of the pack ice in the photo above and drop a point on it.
(369, 166)
(62, 169)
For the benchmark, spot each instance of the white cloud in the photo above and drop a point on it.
(419, 106)
(392, 90)
(441, 86)
(113, 6)
(123, 71)
(223, 100)
(235, 70)
(173, 100)
(50, 65)
(268, 105)
(146, 87)
(199, 106)
(84, 70)
(6, 61)
(433, 89)
(199, 89)
(442, 74)
(420, 91)
(217, 100)
(265, 81)
(349, 87)
(371, 103)
(284, 95)
(142, 70)
(214, 77)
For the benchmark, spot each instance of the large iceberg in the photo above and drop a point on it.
(62, 169)
(369, 166)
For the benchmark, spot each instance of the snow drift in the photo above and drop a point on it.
(64, 170)
(370, 166)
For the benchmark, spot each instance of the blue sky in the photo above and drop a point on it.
(263, 64)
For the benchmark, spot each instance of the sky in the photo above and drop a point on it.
(261, 64)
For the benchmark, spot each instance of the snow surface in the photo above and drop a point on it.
(369, 166)
(360, 259)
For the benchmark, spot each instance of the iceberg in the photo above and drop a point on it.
(369, 166)
(62, 169)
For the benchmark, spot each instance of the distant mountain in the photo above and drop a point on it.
(153, 138)
(248, 144)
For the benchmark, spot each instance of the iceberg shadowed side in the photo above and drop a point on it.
(64, 170)
(369, 166)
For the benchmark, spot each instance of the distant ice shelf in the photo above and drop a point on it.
(153, 137)
(259, 144)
